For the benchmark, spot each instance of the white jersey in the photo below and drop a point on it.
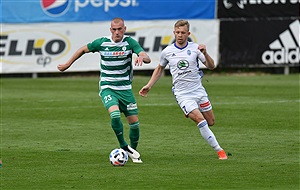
(184, 67)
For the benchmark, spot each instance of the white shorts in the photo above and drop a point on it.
(195, 100)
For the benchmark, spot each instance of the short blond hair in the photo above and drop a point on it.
(182, 23)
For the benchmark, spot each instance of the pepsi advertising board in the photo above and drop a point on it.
(21, 11)
(259, 43)
(257, 8)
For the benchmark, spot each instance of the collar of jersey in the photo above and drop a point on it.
(182, 47)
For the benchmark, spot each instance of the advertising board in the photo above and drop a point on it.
(26, 48)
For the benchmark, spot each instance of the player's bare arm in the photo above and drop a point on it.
(142, 57)
(209, 63)
(75, 56)
(154, 78)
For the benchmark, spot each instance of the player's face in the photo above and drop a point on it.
(181, 35)
(117, 30)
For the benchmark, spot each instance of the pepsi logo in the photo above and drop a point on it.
(55, 8)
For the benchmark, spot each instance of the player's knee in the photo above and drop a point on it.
(115, 117)
(115, 114)
(134, 125)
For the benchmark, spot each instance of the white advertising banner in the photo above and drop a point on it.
(39, 48)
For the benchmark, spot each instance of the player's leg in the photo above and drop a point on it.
(207, 112)
(206, 133)
(110, 102)
(134, 135)
(134, 131)
(209, 117)
(191, 108)
(129, 107)
(116, 123)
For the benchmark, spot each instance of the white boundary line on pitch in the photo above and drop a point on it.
(152, 105)
(229, 103)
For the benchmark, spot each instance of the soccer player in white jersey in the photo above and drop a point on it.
(115, 80)
(183, 58)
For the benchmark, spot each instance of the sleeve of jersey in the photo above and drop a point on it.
(201, 56)
(95, 45)
(136, 47)
(163, 58)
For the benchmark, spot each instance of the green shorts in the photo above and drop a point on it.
(122, 98)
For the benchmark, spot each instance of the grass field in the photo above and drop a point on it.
(56, 134)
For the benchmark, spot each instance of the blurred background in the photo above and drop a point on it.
(240, 35)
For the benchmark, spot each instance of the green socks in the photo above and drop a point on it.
(117, 126)
(134, 134)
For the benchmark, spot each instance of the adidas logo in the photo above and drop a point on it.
(285, 50)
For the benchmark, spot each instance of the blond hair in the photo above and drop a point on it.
(182, 23)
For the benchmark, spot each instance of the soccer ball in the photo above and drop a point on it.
(118, 157)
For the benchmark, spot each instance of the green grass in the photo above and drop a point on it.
(56, 134)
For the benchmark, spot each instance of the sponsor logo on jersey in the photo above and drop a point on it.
(55, 8)
(284, 50)
(184, 72)
(131, 106)
(183, 64)
(113, 53)
(243, 3)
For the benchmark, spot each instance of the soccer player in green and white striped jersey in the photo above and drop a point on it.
(116, 93)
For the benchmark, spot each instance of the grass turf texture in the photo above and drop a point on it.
(56, 134)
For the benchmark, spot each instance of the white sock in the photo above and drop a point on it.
(208, 135)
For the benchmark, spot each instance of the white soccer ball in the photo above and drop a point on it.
(118, 157)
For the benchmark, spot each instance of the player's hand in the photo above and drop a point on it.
(62, 67)
(202, 48)
(144, 91)
(138, 61)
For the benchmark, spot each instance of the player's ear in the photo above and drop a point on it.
(125, 28)
(189, 33)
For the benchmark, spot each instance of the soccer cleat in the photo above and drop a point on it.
(133, 154)
(222, 155)
(137, 160)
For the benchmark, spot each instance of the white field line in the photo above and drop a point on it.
(229, 103)
(151, 105)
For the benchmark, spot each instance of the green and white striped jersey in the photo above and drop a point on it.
(116, 61)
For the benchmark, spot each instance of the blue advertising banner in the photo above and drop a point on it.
(34, 11)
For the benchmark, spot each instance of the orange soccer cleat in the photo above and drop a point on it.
(222, 155)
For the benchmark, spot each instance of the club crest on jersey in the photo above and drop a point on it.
(183, 64)
(189, 52)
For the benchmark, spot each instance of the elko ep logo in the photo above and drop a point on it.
(30, 46)
(284, 50)
(55, 8)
